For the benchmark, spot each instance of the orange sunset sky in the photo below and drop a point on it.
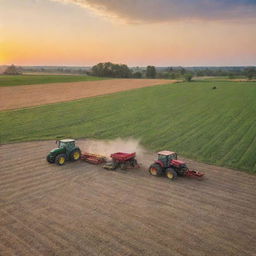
(135, 32)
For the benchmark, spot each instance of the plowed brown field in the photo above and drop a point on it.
(33, 95)
(81, 209)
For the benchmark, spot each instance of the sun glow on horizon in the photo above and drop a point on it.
(52, 33)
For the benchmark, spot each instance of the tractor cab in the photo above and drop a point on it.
(166, 157)
(68, 144)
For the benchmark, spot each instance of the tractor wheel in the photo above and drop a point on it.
(133, 163)
(60, 159)
(115, 164)
(124, 166)
(75, 155)
(171, 174)
(155, 170)
(49, 160)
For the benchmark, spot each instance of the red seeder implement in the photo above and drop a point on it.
(194, 173)
(93, 158)
(123, 157)
(122, 160)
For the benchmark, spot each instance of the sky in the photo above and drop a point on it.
(133, 32)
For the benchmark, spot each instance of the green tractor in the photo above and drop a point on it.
(66, 150)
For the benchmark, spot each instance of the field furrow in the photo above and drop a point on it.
(82, 209)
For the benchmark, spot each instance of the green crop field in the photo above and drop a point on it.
(42, 79)
(213, 126)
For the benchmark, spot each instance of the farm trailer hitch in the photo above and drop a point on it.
(194, 173)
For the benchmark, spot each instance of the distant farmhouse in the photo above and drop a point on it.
(12, 70)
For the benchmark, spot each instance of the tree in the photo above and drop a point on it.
(137, 75)
(12, 70)
(173, 75)
(151, 72)
(231, 75)
(163, 75)
(250, 72)
(182, 70)
(123, 71)
(170, 69)
(109, 69)
(188, 77)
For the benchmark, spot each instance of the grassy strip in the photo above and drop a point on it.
(213, 126)
(42, 79)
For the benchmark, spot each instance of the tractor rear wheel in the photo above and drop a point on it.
(155, 170)
(60, 159)
(75, 155)
(171, 174)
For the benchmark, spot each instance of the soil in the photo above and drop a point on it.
(14, 97)
(83, 209)
(243, 80)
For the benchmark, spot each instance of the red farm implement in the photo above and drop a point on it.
(93, 158)
(122, 160)
(194, 173)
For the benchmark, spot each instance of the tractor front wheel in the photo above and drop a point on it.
(49, 159)
(171, 174)
(155, 170)
(75, 155)
(60, 159)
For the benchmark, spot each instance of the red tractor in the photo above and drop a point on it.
(168, 165)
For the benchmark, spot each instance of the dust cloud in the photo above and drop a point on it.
(108, 147)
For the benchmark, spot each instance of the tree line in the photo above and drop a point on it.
(109, 69)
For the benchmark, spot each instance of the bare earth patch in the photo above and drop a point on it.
(242, 80)
(33, 95)
(81, 209)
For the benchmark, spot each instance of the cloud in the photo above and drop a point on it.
(151, 11)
